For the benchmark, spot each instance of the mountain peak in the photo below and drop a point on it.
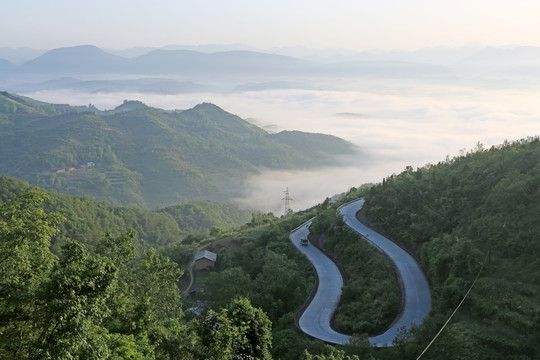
(76, 48)
(143, 155)
(206, 106)
(76, 51)
(130, 105)
(82, 58)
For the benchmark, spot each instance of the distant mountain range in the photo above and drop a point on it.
(500, 57)
(6, 66)
(176, 69)
(432, 55)
(88, 59)
(139, 155)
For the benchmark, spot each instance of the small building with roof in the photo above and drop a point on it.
(205, 260)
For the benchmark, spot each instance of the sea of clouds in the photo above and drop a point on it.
(394, 123)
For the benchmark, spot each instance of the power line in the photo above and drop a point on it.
(453, 313)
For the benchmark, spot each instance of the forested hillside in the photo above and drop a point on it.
(76, 282)
(480, 209)
(143, 156)
(115, 296)
(115, 302)
(87, 220)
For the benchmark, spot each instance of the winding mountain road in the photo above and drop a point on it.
(315, 321)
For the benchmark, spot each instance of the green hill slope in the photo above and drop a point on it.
(114, 296)
(138, 155)
(457, 216)
(482, 208)
(87, 220)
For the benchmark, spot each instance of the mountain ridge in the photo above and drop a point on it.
(176, 70)
(144, 156)
(89, 59)
(83, 58)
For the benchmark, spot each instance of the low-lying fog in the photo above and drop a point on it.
(394, 124)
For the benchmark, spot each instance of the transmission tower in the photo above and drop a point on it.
(287, 200)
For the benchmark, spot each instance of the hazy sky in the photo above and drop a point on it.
(351, 24)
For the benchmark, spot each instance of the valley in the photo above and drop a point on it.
(100, 170)
(210, 180)
(465, 208)
(148, 157)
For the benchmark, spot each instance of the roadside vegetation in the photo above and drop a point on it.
(85, 279)
(86, 219)
(269, 272)
(478, 209)
(117, 300)
(370, 298)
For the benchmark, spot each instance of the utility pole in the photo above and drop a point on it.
(287, 200)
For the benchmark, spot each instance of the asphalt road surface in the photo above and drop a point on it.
(315, 321)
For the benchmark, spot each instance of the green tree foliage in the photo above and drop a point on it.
(86, 220)
(458, 214)
(260, 219)
(83, 305)
(25, 235)
(370, 297)
(268, 272)
(237, 332)
(72, 304)
(201, 216)
(331, 353)
(109, 303)
(79, 285)
(147, 157)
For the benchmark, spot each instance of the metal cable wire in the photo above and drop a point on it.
(455, 310)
